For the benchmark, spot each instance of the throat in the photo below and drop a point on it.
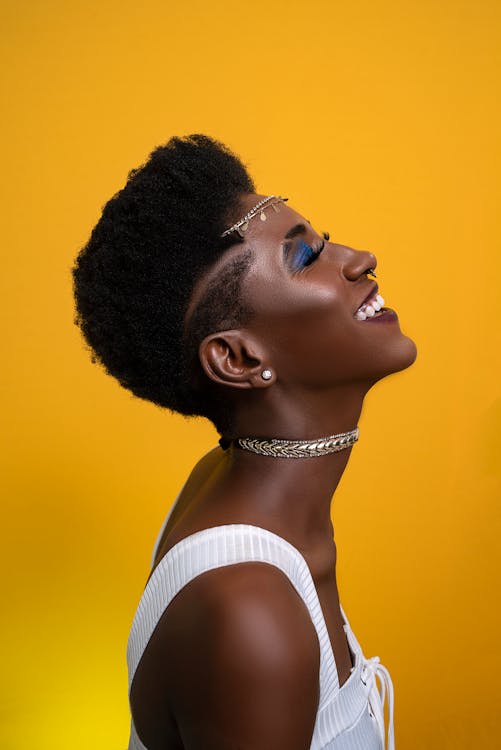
(321, 559)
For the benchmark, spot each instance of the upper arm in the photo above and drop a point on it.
(247, 675)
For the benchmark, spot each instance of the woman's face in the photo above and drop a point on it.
(305, 305)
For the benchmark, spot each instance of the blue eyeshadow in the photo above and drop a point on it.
(303, 255)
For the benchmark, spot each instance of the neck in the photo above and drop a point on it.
(298, 490)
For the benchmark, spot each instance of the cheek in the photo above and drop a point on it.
(312, 341)
(319, 343)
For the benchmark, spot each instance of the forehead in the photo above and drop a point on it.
(274, 229)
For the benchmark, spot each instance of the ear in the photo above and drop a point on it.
(234, 358)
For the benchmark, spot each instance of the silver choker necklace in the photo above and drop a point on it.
(295, 448)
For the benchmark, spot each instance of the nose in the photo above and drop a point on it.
(356, 263)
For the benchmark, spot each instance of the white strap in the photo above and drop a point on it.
(372, 669)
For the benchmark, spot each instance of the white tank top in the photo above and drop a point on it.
(350, 717)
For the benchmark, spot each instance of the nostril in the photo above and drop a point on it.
(358, 263)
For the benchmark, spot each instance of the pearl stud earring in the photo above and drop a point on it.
(266, 374)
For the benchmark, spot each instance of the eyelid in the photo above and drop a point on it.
(316, 248)
(315, 252)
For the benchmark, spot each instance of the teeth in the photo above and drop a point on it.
(370, 308)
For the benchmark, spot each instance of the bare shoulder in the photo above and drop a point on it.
(245, 661)
(196, 479)
(202, 469)
(209, 459)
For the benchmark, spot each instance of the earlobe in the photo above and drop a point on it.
(233, 358)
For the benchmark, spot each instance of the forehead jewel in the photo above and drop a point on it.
(241, 226)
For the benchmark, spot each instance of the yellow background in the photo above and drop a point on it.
(380, 121)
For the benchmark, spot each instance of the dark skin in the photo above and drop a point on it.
(233, 663)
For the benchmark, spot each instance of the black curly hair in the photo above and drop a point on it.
(133, 280)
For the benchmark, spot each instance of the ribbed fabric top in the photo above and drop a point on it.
(348, 718)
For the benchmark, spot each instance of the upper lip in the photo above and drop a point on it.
(374, 290)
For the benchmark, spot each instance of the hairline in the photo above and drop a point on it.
(209, 280)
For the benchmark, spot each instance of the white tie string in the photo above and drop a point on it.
(372, 669)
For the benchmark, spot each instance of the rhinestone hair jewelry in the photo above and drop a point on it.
(295, 448)
(242, 224)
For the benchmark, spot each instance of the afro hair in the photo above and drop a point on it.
(133, 279)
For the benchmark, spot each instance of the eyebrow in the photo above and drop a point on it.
(295, 230)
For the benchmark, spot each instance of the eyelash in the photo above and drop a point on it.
(311, 253)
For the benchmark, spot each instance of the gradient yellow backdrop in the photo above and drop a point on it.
(380, 121)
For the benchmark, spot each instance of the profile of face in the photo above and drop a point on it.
(315, 323)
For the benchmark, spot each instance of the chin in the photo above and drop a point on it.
(409, 352)
(401, 356)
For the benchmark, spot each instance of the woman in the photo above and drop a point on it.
(205, 297)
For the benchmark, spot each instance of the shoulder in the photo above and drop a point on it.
(245, 662)
(196, 479)
(200, 472)
(202, 469)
